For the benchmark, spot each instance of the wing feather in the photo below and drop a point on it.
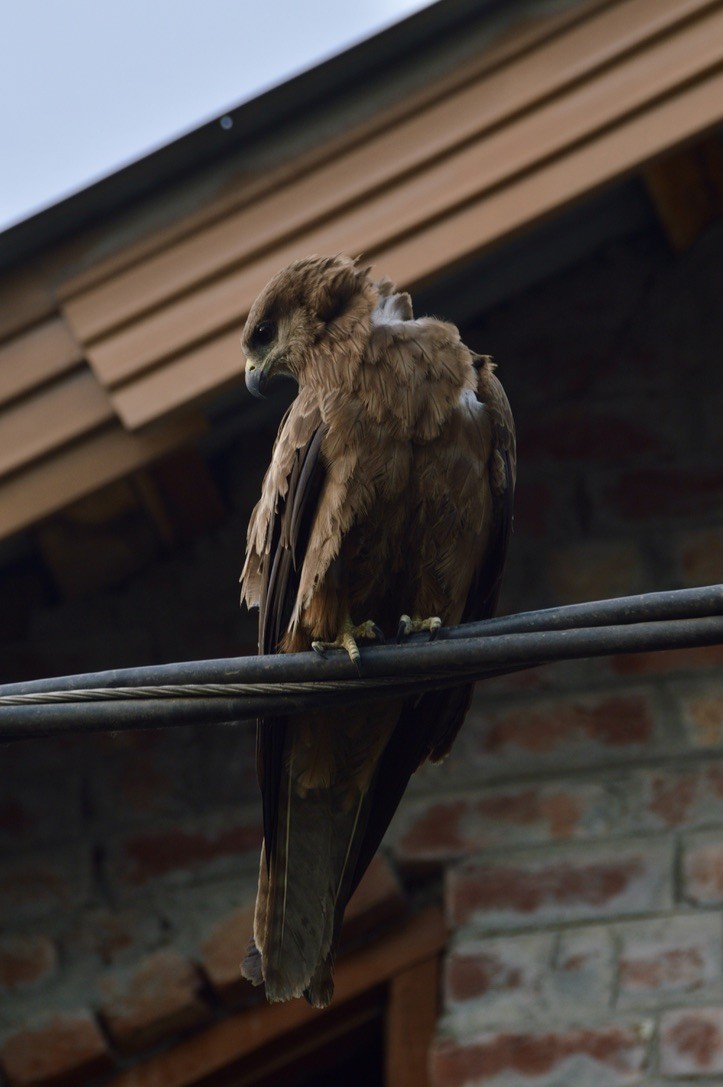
(289, 502)
(428, 725)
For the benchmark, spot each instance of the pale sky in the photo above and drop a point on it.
(87, 86)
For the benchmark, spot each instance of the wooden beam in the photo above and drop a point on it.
(180, 496)
(27, 298)
(103, 538)
(36, 357)
(411, 1022)
(70, 407)
(451, 239)
(473, 171)
(377, 902)
(48, 485)
(517, 38)
(312, 1052)
(210, 368)
(687, 190)
(489, 102)
(212, 1050)
(587, 167)
(543, 118)
(97, 541)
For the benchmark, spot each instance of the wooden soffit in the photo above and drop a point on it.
(573, 104)
(107, 371)
(60, 437)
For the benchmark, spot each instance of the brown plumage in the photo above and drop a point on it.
(389, 491)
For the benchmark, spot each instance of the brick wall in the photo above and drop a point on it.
(577, 828)
(579, 821)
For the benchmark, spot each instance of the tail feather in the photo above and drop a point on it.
(320, 989)
(291, 925)
(300, 902)
(321, 986)
(252, 967)
(304, 889)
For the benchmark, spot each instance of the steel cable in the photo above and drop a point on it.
(245, 687)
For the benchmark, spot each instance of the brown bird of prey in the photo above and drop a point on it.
(389, 494)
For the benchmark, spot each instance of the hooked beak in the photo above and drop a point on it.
(256, 378)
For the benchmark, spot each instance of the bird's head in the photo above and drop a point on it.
(308, 308)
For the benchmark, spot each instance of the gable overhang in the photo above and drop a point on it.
(552, 110)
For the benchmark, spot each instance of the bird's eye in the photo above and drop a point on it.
(263, 333)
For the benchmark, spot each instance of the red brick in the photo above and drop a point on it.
(436, 830)
(566, 725)
(701, 557)
(141, 785)
(657, 493)
(703, 869)
(615, 1055)
(559, 809)
(224, 923)
(545, 505)
(377, 901)
(569, 884)
(534, 508)
(498, 973)
(433, 831)
(226, 762)
(670, 798)
(25, 961)
(670, 660)
(583, 970)
(671, 795)
(703, 718)
(691, 1042)
(713, 776)
(549, 678)
(470, 976)
(56, 1051)
(184, 849)
(34, 885)
(159, 997)
(674, 957)
(595, 570)
(40, 798)
(576, 433)
(112, 935)
(497, 979)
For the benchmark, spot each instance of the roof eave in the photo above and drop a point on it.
(340, 75)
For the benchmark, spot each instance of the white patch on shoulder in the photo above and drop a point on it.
(392, 309)
(468, 400)
(383, 316)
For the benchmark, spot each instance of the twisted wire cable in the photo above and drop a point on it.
(241, 688)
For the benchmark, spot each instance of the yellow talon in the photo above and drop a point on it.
(408, 626)
(347, 640)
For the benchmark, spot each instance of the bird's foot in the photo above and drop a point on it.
(347, 639)
(408, 626)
